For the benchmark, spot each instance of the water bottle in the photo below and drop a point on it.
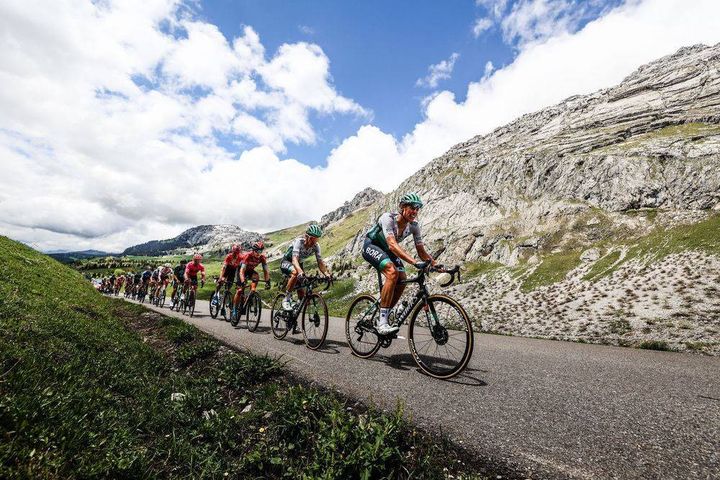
(401, 310)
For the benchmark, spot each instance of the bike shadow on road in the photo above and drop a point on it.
(405, 361)
(329, 346)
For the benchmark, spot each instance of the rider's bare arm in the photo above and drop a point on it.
(266, 272)
(323, 268)
(395, 248)
(296, 264)
(424, 254)
(242, 273)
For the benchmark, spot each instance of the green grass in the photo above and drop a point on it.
(339, 297)
(553, 269)
(280, 236)
(480, 267)
(603, 267)
(336, 237)
(701, 236)
(96, 387)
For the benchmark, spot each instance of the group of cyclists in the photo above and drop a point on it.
(381, 249)
(371, 323)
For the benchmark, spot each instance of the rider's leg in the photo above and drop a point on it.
(387, 294)
(399, 288)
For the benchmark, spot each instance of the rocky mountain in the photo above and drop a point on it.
(363, 199)
(203, 239)
(567, 217)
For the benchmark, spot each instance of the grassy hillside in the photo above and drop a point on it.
(96, 387)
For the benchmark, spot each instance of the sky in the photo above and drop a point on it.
(132, 120)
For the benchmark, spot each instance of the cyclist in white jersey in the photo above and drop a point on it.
(383, 251)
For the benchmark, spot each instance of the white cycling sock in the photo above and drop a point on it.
(384, 313)
(288, 296)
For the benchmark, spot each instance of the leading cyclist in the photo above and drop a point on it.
(383, 251)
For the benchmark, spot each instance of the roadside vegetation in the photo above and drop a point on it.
(96, 387)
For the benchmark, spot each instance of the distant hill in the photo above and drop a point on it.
(203, 239)
(69, 257)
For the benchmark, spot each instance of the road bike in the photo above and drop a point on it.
(251, 307)
(221, 304)
(187, 299)
(160, 298)
(311, 309)
(439, 331)
(175, 299)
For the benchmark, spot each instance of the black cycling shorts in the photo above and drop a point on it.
(378, 258)
(231, 274)
(193, 280)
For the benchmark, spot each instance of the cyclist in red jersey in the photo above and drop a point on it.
(191, 271)
(229, 270)
(250, 260)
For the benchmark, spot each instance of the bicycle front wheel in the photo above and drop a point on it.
(191, 303)
(315, 321)
(360, 326)
(278, 324)
(253, 310)
(440, 337)
(226, 305)
(214, 305)
(161, 301)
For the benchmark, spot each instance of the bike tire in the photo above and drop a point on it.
(225, 305)
(315, 325)
(356, 313)
(161, 302)
(191, 303)
(423, 360)
(214, 309)
(278, 325)
(253, 305)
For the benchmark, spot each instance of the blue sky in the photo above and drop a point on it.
(124, 121)
(378, 50)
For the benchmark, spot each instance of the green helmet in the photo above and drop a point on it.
(411, 198)
(314, 230)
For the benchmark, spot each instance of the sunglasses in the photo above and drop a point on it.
(414, 206)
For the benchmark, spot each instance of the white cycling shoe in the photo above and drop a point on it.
(287, 304)
(385, 329)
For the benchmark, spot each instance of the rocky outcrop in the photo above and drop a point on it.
(203, 238)
(363, 199)
(651, 142)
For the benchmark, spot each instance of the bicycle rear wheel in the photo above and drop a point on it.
(440, 337)
(278, 322)
(360, 326)
(315, 321)
(253, 310)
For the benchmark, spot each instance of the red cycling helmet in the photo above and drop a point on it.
(258, 246)
(235, 248)
(197, 256)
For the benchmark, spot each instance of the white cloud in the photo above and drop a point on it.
(91, 159)
(481, 25)
(439, 71)
(306, 30)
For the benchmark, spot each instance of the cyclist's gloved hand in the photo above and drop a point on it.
(202, 283)
(267, 285)
(420, 265)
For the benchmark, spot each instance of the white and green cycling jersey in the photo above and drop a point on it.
(387, 225)
(298, 249)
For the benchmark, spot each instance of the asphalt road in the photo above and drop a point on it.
(545, 409)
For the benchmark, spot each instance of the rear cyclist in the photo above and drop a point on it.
(301, 248)
(249, 262)
(191, 271)
(228, 271)
(383, 251)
